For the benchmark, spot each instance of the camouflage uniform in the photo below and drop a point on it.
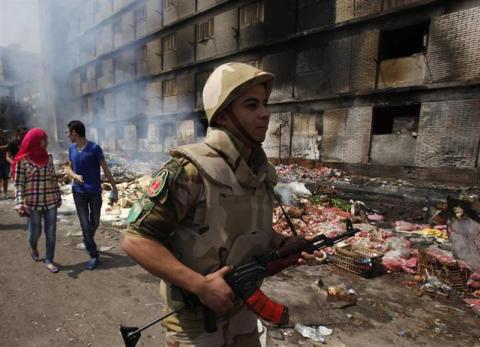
(210, 208)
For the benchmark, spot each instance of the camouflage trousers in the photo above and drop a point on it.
(238, 331)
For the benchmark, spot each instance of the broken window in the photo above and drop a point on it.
(84, 106)
(142, 130)
(120, 132)
(99, 69)
(83, 75)
(399, 120)
(205, 30)
(99, 106)
(169, 87)
(257, 63)
(169, 43)
(251, 14)
(141, 54)
(140, 14)
(98, 6)
(403, 42)
(200, 80)
(169, 3)
(117, 27)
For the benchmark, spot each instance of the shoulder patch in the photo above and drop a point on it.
(135, 211)
(158, 183)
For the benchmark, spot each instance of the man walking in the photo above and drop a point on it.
(85, 159)
(14, 145)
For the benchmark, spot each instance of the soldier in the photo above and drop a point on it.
(210, 207)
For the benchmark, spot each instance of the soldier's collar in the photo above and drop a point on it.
(227, 146)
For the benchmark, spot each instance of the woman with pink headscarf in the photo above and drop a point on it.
(37, 195)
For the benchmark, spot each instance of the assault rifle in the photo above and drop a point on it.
(244, 280)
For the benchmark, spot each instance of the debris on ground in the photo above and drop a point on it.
(439, 248)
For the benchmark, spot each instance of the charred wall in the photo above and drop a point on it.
(141, 66)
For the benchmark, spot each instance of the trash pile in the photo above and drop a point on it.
(443, 260)
(294, 172)
(132, 177)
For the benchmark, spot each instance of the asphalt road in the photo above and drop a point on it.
(78, 307)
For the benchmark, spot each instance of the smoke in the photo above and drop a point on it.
(286, 192)
(19, 24)
(20, 65)
(102, 76)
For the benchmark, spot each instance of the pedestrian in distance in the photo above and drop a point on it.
(14, 145)
(37, 194)
(208, 208)
(4, 165)
(84, 161)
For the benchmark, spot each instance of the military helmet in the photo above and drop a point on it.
(229, 81)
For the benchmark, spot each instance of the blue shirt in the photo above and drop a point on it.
(86, 163)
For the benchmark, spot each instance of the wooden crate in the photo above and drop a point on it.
(450, 274)
(359, 260)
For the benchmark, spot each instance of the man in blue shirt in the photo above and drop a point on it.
(85, 158)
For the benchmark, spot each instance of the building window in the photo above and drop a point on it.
(200, 80)
(120, 132)
(399, 120)
(169, 43)
(169, 3)
(141, 54)
(99, 69)
(117, 27)
(255, 63)
(84, 106)
(142, 131)
(83, 75)
(140, 14)
(251, 14)
(403, 42)
(98, 6)
(169, 87)
(205, 30)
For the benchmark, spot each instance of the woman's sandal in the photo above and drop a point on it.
(34, 254)
(52, 268)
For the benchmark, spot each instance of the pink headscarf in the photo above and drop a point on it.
(31, 149)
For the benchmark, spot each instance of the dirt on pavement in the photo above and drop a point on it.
(78, 307)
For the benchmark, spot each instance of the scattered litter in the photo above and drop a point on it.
(450, 308)
(80, 246)
(276, 334)
(309, 332)
(74, 234)
(106, 248)
(324, 331)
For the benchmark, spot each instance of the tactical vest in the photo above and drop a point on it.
(235, 223)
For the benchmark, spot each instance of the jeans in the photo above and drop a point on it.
(88, 207)
(35, 230)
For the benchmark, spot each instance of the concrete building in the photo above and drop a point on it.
(388, 86)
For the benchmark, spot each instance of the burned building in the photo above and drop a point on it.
(20, 84)
(387, 86)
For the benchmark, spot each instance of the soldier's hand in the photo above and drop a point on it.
(215, 293)
(313, 258)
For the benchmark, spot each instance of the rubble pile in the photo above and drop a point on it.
(294, 172)
(405, 245)
(132, 177)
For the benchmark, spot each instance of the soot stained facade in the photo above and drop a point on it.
(359, 83)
